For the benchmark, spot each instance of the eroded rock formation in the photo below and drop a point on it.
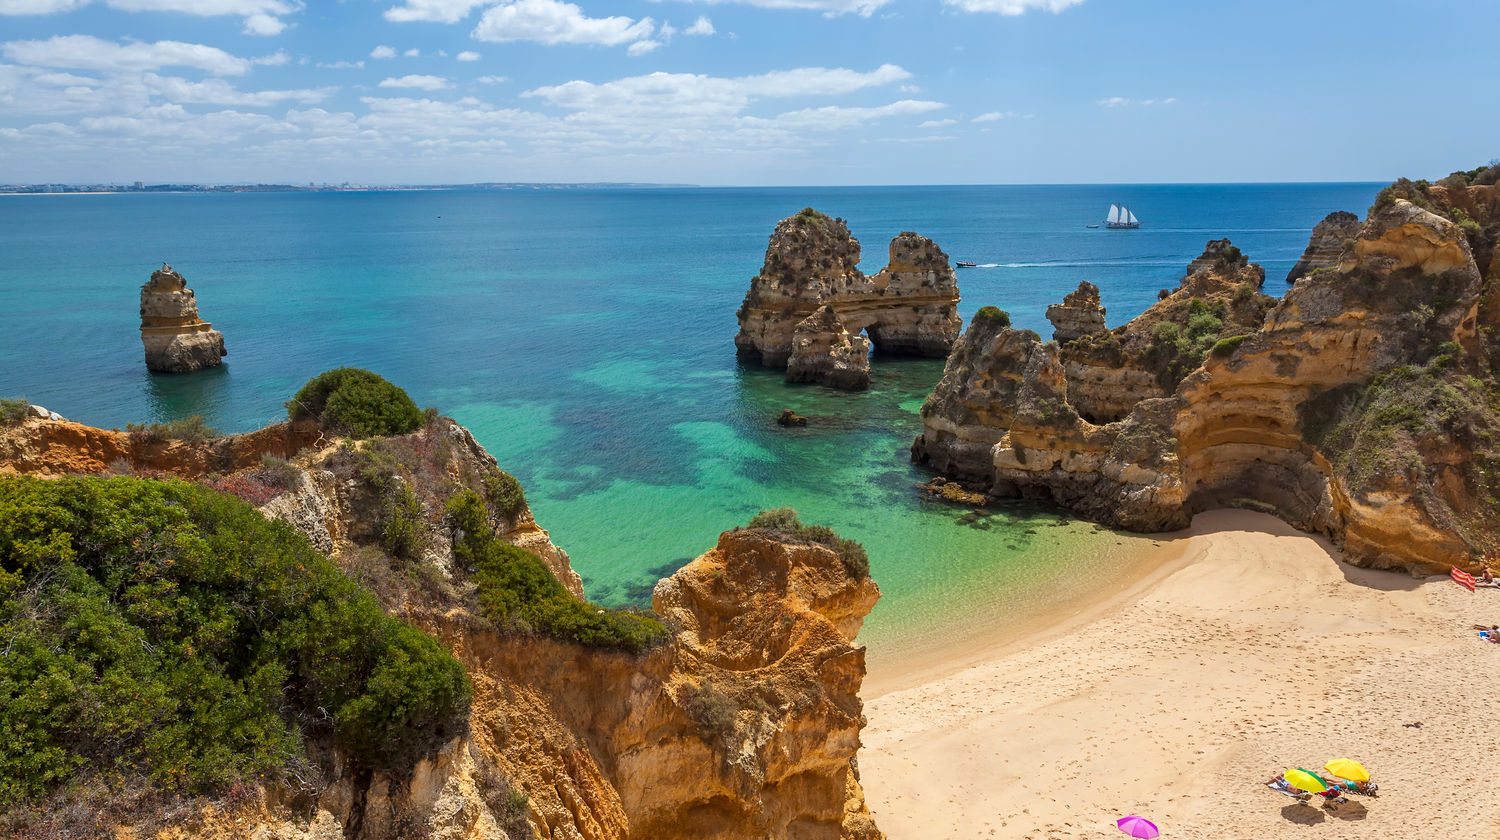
(1359, 406)
(1078, 315)
(744, 725)
(1326, 247)
(908, 308)
(176, 339)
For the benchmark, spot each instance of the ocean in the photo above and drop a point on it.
(586, 337)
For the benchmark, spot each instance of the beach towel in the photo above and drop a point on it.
(1462, 578)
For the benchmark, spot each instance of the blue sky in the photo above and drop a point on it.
(745, 91)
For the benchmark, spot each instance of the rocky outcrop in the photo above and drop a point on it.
(908, 308)
(1325, 250)
(824, 352)
(1078, 315)
(1358, 406)
(176, 339)
(744, 724)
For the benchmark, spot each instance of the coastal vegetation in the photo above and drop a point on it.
(784, 521)
(517, 592)
(157, 633)
(992, 315)
(14, 411)
(193, 429)
(356, 402)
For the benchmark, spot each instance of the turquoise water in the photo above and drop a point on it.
(586, 339)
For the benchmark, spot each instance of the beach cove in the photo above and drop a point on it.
(1247, 648)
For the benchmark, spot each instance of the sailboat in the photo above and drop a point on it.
(1120, 218)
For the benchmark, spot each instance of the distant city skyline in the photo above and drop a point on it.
(741, 92)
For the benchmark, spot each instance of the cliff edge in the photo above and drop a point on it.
(1359, 406)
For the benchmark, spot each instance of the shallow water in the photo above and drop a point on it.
(586, 339)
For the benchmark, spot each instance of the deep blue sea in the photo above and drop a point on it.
(586, 337)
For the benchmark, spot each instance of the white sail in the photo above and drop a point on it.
(1130, 217)
(1114, 215)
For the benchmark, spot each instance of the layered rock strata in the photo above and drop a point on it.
(1325, 250)
(744, 725)
(910, 307)
(176, 339)
(1358, 407)
(1078, 315)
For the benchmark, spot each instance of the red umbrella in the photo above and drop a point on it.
(1138, 827)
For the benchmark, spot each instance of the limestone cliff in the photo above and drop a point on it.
(176, 339)
(1078, 315)
(1325, 249)
(1359, 406)
(908, 308)
(744, 724)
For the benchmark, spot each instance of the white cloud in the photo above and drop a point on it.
(835, 117)
(89, 53)
(642, 47)
(264, 25)
(412, 53)
(417, 81)
(701, 26)
(220, 92)
(383, 51)
(275, 59)
(342, 65)
(830, 8)
(492, 80)
(38, 7)
(936, 123)
(436, 11)
(992, 116)
(557, 22)
(672, 92)
(910, 89)
(468, 55)
(1121, 101)
(1011, 7)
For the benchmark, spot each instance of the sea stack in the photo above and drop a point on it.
(176, 339)
(1325, 249)
(909, 308)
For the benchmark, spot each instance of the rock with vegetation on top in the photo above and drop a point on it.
(176, 339)
(1326, 247)
(908, 308)
(1360, 406)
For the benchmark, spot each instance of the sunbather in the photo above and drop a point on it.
(1490, 633)
(1487, 578)
(1333, 798)
(1279, 784)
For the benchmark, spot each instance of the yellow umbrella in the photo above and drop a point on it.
(1348, 768)
(1303, 780)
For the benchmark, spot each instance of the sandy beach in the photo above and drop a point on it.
(1249, 649)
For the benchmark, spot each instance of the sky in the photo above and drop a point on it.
(745, 92)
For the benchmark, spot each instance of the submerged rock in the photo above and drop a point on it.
(908, 308)
(176, 339)
(791, 418)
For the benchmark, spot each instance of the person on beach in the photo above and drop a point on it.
(1490, 633)
(1487, 578)
(1279, 784)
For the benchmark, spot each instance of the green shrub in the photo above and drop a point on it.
(401, 522)
(279, 472)
(356, 402)
(711, 710)
(504, 493)
(194, 429)
(992, 315)
(163, 629)
(518, 592)
(1165, 332)
(1225, 347)
(14, 411)
(784, 520)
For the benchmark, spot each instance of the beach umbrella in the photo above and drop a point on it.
(1138, 827)
(1348, 768)
(1304, 780)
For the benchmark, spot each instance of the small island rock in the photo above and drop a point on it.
(176, 339)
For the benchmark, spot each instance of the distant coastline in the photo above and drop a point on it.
(141, 187)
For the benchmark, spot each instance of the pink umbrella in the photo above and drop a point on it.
(1138, 827)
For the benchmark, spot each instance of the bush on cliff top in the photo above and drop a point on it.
(160, 630)
(784, 520)
(14, 411)
(518, 592)
(192, 428)
(992, 315)
(356, 402)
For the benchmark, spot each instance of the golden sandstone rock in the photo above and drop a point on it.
(176, 339)
(1358, 406)
(909, 308)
